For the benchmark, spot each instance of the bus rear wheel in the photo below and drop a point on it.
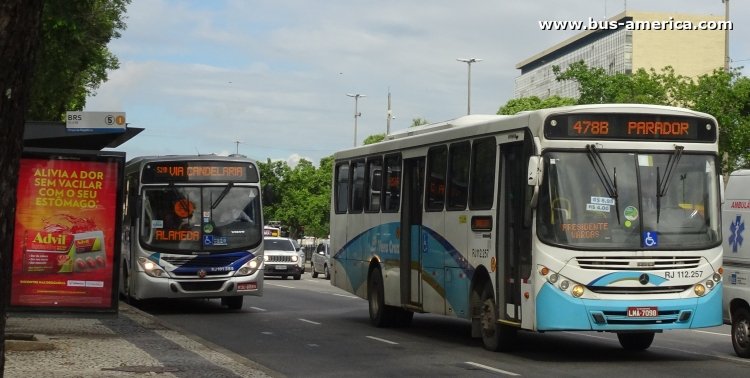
(741, 332)
(636, 340)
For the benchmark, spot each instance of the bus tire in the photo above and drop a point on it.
(635, 340)
(234, 303)
(741, 332)
(380, 314)
(496, 337)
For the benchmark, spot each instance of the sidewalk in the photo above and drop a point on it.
(132, 344)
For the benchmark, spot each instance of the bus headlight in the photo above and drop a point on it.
(250, 267)
(699, 290)
(577, 290)
(151, 268)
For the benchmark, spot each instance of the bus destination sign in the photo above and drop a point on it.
(630, 127)
(198, 171)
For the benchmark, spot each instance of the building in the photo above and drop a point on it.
(626, 43)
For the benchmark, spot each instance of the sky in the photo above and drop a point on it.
(269, 78)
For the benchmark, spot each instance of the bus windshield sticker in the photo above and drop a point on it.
(157, 223)
(650, 239)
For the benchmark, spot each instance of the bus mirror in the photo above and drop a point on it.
(535, 170)
(721, 188)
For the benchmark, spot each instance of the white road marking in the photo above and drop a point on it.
(344, 295)
(382, 340)
(258, 308)
(494, 370)
(288, 287)
(713, 333)
(309, 321)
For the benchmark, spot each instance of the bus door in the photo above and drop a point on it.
(514, 245)
(411, 236)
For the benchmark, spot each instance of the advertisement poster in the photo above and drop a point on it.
(67, 224)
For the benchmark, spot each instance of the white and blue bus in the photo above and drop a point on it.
(593, 217)
(192, 228)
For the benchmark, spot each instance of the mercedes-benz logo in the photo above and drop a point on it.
(643, 279)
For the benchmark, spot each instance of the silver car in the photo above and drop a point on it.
(281, 258)
(320, 260)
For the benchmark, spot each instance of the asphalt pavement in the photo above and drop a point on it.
(131, 343)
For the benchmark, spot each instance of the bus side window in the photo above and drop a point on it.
(458, 175)
(392, 183)
(437, 161)
(342, 187)
(374, 184)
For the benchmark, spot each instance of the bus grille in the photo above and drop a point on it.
(201, 285)
(284, 258)
(621, 318)
(638, 263)
(200, 261)
(638, 290)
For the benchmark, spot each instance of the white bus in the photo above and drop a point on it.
(192, 228)
(595, 217)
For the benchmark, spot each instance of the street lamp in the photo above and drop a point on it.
(469, 61)
(356, 113)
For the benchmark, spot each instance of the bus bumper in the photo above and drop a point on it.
(557, 311)
(152, 287)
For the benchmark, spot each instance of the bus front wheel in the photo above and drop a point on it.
(636, 340)
(496, 337)
(376, 303)
(741, 332)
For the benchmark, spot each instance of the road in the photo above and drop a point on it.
(308, 328)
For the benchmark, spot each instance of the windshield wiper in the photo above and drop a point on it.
(609, 183)
(662, 186)
(222, 195)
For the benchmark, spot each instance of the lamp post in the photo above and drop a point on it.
(726, 35)
(469, 61)
(356, 113)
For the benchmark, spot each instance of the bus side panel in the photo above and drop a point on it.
(458, 271)
(386, 235)
(433, 256)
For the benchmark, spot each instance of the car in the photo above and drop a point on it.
(281, 258)
(320, 260)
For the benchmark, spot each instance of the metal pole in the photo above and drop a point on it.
(726, 35)
(356, 113)
(469, 62)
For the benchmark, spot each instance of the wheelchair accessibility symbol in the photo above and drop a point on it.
(650, 239)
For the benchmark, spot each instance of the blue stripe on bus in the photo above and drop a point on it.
(217, 262)
(558, 310)
(383, 241)
(611, 278)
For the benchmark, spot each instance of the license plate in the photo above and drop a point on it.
(247, 286)
(280, 267)
(643, 312)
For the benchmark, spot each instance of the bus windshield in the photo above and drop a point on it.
(201, 218)
(629, 200)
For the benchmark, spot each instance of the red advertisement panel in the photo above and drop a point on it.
(64, 240)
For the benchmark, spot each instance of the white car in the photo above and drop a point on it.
(281, 258)
(320, 260)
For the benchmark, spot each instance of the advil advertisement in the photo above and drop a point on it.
(67, 215)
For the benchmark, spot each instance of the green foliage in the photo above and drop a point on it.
(375, 138)
(532, 103)
(723, 94)
(73, 59)
(303, 195)
(418, 122)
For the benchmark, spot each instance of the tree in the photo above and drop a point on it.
(516, 105)
(419, 122)
(20, 22)
(73, 59)
(375, 138)
(723, 94)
